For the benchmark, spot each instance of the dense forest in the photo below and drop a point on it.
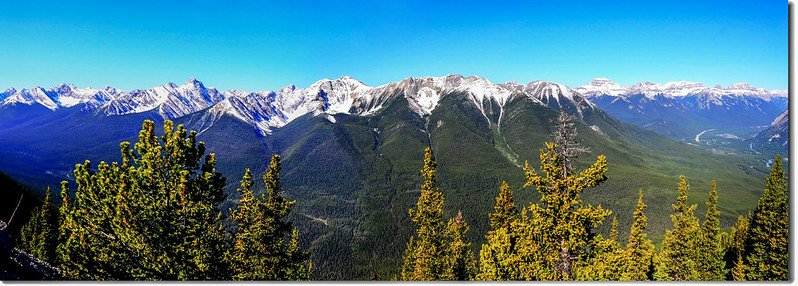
(157, 215)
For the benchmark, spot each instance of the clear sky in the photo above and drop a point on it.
(260, 45)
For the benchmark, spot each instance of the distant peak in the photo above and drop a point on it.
(193, 81)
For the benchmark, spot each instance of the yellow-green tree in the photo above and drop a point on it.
(265, 245)
(460, 263)
(154, 216)
(425, 257)
(710, 263)
(639, 251)
(677, 260)
(735, 251)
(766, 250)
(564, 236)
(498, 259)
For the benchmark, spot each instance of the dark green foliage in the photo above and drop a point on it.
(460, 264)
(38, 236)
(735, 249)
(677, 260)
(12, 194)
(766, 250)
(153, 216)
(425, 257)
(265, 246)
(710, 263)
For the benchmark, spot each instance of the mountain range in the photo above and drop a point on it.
(681, 110)
(351, 152)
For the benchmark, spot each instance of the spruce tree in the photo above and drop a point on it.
(639, 250)
(710, 263)
(460, 263)
(497, 257)
(677, 260)
(265, 245)
(767, 253)
(38, 235)
(154, 216)
(425, 257)
(565, 222)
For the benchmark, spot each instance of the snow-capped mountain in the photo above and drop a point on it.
(682, 109)
(693, 94)
(642, 103)
(62, 96)
(777, 135)
(169, 100)
(273, 109)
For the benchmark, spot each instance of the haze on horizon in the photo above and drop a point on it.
(263, 45)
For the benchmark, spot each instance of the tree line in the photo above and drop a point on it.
(555, 237)
(156, 216)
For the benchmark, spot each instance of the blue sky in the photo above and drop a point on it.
(258, 45)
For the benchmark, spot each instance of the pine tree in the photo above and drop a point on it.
(38, 235)
(766, 250)
(710, 264)
(566, 224)
(497, 257)
(460, 263)
(155, 216)
(677, 260)
(265, 245)
(639, 249)
(425, 256)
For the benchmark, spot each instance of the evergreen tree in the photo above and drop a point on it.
(38, 235)
(425, 257)
(677, 261)
(736, 249)
(63, 255)
(565, 222)
(605, 260)
(639, 250)
(460, 263)
(497, 258)
(766, 250)
(504, 212)
(265, 245)
(153, 217)
(710, 263)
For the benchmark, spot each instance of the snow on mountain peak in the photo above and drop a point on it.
(604, 87)
(169, 100)
(601, 86)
